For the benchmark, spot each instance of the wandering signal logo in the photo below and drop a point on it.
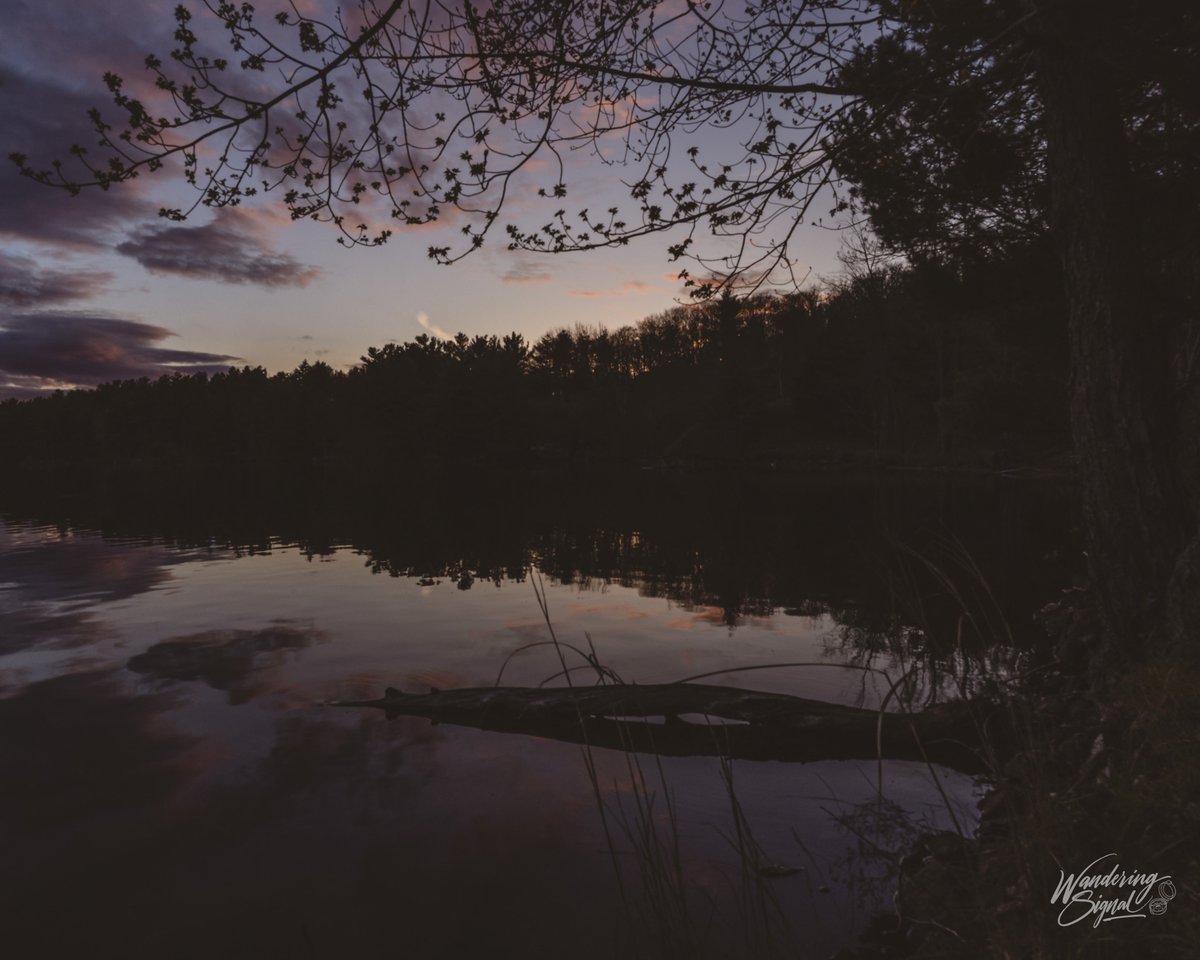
(1103, 891)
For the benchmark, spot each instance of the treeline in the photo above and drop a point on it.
(893, 363)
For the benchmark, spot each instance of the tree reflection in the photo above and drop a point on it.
(808, 545)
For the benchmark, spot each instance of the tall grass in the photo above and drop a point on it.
(1082, 766)
(669, 917)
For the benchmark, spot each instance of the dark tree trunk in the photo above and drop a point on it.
(771, 726)
(1122, 412)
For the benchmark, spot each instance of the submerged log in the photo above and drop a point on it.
(741, 724)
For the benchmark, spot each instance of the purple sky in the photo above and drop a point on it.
(98, 286)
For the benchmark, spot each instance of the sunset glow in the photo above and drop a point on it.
(245, 285)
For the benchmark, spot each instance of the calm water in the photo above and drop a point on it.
(175, 787)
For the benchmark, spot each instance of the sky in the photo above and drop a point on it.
(98, 287)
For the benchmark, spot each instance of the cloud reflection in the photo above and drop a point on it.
(121, 829)
(233, 661)
(51, 585)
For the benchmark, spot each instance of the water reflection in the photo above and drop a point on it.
(174, 787)
(129, 845)
(806, 544)
(230, 660)
(51, 580)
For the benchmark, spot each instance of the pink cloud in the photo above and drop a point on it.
(230, 248)
(23, 283)
(424, 321)
(522, 272)
(40, 351)
(629, 287)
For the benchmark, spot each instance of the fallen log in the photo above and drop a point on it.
(731, 722)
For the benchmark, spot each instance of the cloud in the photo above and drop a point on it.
(40, 351)
(51, 67)
(88, 39)
(23, 283)
(526, 273)
(229, 248)
(43, 118)
(423, 320)
(630, 286)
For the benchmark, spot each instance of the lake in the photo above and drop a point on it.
(177, 786)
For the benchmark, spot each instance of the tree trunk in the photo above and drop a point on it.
(1122, 413)
(769, 726)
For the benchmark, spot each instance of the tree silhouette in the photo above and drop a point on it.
(1081, 120)
(398, 114)
(902, 364)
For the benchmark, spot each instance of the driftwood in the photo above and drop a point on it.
(703, 720)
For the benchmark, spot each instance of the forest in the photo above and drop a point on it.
(1025, 180)
(894, 364)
